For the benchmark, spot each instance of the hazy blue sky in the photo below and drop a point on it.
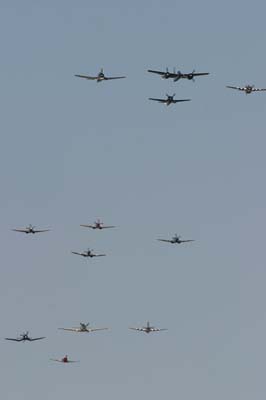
(74, 150)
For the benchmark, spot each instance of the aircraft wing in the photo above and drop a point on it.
(87, 226)
(156, 72)
(38, 338)
(42, 230)
(20, 230)
(197, 74)
(185, 241)
(236, 87)
(75, 252)
(258, 90)
(71, 329)
(137, 329)
(159, 100)
(15, 340)
(114, 77)
(107, 226)
(165, 240)
(99, 255)
(178, 101)
(92, 78)
(96, 329)
(158, 329)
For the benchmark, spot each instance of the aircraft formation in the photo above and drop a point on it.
(86, 328)
(175, 76)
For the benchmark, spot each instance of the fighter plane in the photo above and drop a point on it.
(178, 75)
(176, 239)
(88, 253)
(148, 329)
(100, 77)
(30, 229)
(64, 360)
(169, 100)
(247, 89)
(98, 225)
(24, 337)
(83, 328)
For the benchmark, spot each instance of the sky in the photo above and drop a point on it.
(74, 150)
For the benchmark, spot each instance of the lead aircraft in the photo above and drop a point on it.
(178, 75)
(83, 328)
(64, 360)
(97, 225)
(24, 337)
(148, 329)
(30, 229)
(176, 239)
(169, 100)
(88, 253)
(247, 89)
(100, 77)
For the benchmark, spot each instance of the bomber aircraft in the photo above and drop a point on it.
(97, 225)
(100, 77)
(176, 239)
(247, 89)
(30, 229)
(83, 328)
(88, 253)
(148, 329)
(24, 337)
(178, 75)
(169, 100)
(64, 360)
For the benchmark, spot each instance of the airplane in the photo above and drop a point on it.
(169, 100)
(88, 253)
(64, 360)
(247, 89)
(98, 225)
(100, 77)
(24, 337)
(83, 328)
(30, 229)
(176, 239)
(148, 329)
(178, 75)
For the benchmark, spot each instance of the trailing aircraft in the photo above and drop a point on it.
(176, 239)
(64, 360)
(247, 89)
(169, 100)
(24, 337)
(83, 328)
(148, 329)
(97, 225)
(100, 77)
(88, 253)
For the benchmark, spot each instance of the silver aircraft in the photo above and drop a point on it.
(178, 75)
(100, 77)
(247, 89)
(169, 100)
(30, 229)
(176, 239)
(83, 328)
(24, 337)
(88, 253)
(64, 360)
(148, 329)
(97, 225)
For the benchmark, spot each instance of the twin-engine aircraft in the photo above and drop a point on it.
(30, 229)
(24, 337)
(83, 328)
(88, 253)
(64, 360)
(97, 225)
(169, 100)
(148, 329)
(176, 239)
(100, 77)
(178, 75)
(247, 89)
